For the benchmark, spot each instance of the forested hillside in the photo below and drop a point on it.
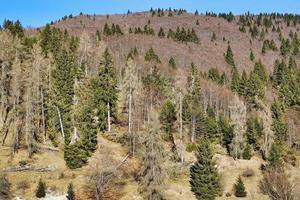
(154, 105)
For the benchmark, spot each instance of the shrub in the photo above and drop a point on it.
(276, 185)
(191, 147)
(70, 193)
(23, 163)
(247, 152)
(239, 188)
(248, 172)
(4, 186)
(23, 185)
(228, 194)
(41, 189)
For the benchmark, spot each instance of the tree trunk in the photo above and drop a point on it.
(108, 117)
(61, 123)
(180, 129)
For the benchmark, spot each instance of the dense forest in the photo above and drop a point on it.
(133, 114)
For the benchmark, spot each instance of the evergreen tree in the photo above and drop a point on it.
(204, 178)
(243, 84)
(275, 156)
(104, 88)
(229, 57)
(226, 131)
(235, 82)
(254, 132)
(193, 115)
(214, 75)
(167, 116)
(172, 63)
(252, 57)
(256, 86)
(239, 188)
(62, 93)
(41, 189)
(106, 30)
(70, 192)
(279, 126)
(260, 70)
(161, 32)
(152, 173)
(151, 56)
(247, 152)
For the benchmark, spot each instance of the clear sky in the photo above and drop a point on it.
(38, 12)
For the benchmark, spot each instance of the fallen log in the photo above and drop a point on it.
(49, 168)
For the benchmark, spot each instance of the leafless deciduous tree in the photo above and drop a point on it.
(276, 185)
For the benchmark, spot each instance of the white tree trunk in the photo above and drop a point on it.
(61, 124)
(108, 117)
(180, 129)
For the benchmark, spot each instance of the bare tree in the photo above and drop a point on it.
(276, 185)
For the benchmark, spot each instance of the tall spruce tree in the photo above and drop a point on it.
(152, 173)
(204, 178)
(229, 56)
(105, 91)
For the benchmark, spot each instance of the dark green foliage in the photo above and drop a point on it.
(161, 32)
(239, 188)
(254, 132)
(172, 63)
(211, 125)
(278, 125)
(98, 35)
(70, 192)
(183, 35)
(167, 116)
(75, 155)
(268, 45)
(62, 92)
(155, 84)
(227, 132)
(229, 56)
(192, 112)
(252, 57)
(255, 86)
(4, 186)
(275, 156)
(152, 173)
(204, 178)
(243, 84)
(235, 81)
(247, 152)
(285, 47)
(214, 75)
(229, 17)
(133, 53)
(260, 70)
(242, 29)
(104, 89)
(151, 56)
(41, 189)
(286, 80)
(253, 31)
(15, 28)
(146, 31)
(113, 30)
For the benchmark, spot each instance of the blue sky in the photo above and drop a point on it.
(38, 12)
